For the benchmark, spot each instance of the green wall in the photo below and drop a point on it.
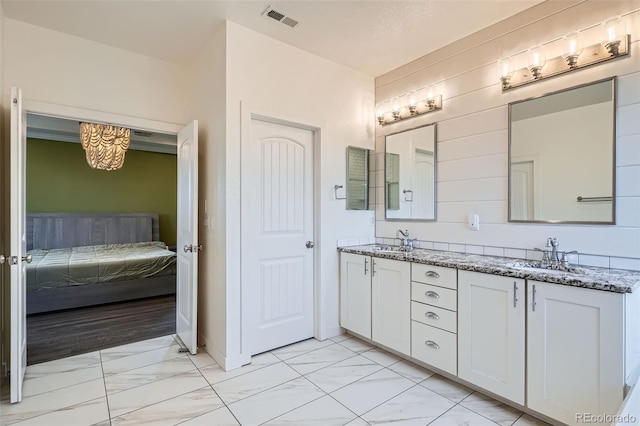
(60, 180)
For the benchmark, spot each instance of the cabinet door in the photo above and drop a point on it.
(491, 333)
(575, 351)
(355, 293)
(391, 304)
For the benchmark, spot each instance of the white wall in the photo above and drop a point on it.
(209, 78)
(57, 68)
(473, 138)
(271, 78)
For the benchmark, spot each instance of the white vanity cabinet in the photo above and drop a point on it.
(355, 293)
(375, 299)
(491, 333)
(391, 304)
(433, 313)
(575, 351)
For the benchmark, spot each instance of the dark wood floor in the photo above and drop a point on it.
(65, 333)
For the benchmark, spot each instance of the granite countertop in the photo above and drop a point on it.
(614, 280)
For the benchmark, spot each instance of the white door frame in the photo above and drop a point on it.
(248, 114)
(76, 113)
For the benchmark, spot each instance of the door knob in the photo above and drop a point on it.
(310, 244)
(28, 258)
(192, 248)
(2, 259)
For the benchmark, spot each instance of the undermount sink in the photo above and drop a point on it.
(543, 269)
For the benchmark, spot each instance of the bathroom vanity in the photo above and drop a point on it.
(555, 342)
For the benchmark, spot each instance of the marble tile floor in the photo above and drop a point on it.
(339, 381)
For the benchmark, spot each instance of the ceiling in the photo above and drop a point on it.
(373, 37)
(64, 130)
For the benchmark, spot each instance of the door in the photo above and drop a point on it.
(423, 175)
(17, 258)
(355, 293)
(575, 351)
(522, 202)
(491, 333)
(277, 236)
(187, 238)
(391, 304)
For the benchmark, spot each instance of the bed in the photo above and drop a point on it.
(81, 260)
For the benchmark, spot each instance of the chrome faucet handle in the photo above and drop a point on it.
(565, 257)
(546, 254)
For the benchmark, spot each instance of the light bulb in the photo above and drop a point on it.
(412, 102)
(536, 60)
(613, 28)
(505, 71)
(571, 48)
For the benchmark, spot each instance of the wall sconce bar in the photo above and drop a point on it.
(590, 55)
(409, 111)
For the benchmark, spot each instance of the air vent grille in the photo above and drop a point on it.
(290, 22)
(280, 17)
(275, 15)
(143, 134)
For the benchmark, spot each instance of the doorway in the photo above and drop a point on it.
(116, 233)
(277, 235)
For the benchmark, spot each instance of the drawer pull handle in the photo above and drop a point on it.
(433, 274)
(432, 294)
(432, 344)
(432, 315)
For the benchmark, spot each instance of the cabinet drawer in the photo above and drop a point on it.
(436, 275)
(434, 346)
(435, 296)
(436, 317)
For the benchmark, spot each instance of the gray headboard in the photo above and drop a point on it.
(60, 230)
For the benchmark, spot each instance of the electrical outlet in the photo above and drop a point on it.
(474, 221)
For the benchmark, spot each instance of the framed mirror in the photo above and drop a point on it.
(410, 174)
(562, 156)
(357, 178)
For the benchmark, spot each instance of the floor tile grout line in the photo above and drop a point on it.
(155, 403)
(64, 387)
(350, 383)
(243, 374)
(446, 411)
(141, 366)
(384, 402)
(480, 414)
(153, 381)
(104, 381)
(264, 390)
(174, 342)
(300, 406)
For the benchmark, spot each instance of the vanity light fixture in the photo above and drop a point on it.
(411, 104)
(614, 43)
(536, 60)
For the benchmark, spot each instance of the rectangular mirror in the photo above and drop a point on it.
(410, 174)
(562, 156)
(357, 178)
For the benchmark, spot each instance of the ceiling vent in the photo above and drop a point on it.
(280, 17)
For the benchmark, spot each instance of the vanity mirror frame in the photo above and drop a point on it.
(435, 177)
(613, 81)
